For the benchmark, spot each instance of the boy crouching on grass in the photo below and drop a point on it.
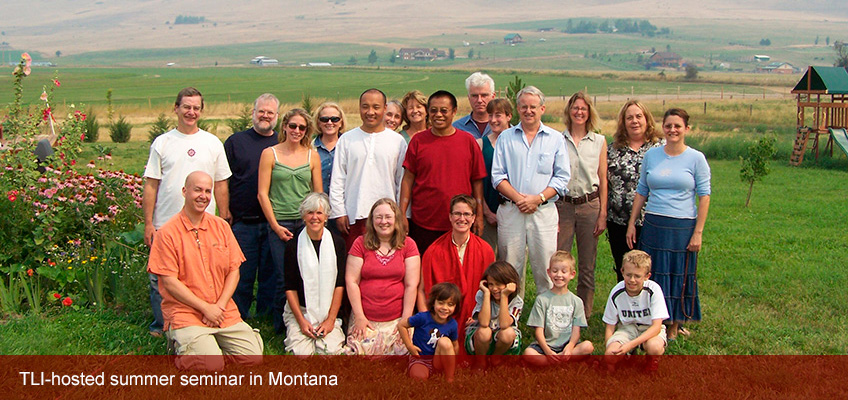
(434, 344)
(635, 311)
(557, 317)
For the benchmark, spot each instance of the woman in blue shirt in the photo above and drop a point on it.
(672, 177)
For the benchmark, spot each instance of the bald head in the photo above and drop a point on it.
(197, 176)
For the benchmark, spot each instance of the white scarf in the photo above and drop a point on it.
(319, 277)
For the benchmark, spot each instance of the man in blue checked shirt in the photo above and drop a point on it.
(531, 170)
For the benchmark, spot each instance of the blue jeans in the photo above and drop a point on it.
(253, 240)
(278, 249)
(155, 304)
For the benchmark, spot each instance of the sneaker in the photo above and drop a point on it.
(155, 333)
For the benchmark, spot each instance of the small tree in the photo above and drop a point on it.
(306, 103)
(351, 60)
(451, 53)
(512, 90)
(755, 163)
(691, 73)
(92, 127)
(58, 53)
(393, 57)
(471, 53)
(372, 58)
(827, 41)
(243, 121)
(161, 125)
(120, 131)
(841, 54)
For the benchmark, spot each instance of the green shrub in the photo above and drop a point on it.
(243, 121)
(208, 126)
(120, 131)
(92, 127)
(161, 125)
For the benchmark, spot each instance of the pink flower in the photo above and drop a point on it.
(27, 70)
(90, 164)
(43, 96)
(17, 69)
(67, 302)
(28, 59)
(57, 83)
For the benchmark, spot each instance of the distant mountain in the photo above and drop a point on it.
(80, 26)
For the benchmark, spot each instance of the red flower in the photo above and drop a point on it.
(29, 272)
(73, 162)
(12, 197)
(57, 295)
(57, 83)
(67, 302)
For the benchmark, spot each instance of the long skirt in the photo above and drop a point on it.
(673, 267)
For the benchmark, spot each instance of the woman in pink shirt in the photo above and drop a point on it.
(382, 274)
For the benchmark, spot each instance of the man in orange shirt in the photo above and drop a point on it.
(197, 259)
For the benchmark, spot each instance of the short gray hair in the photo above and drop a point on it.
(315, 201)
(266, 97)
(533, 91)
(479, 79)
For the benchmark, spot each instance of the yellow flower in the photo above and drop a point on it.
(70, 267)
(93, 258)
(83, 261)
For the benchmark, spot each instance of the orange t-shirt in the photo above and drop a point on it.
(201, 259)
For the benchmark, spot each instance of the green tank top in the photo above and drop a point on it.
(289, 186)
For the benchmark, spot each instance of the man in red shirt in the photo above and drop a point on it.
(440, 163)
(197, 259)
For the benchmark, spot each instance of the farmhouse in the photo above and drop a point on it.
(777, 68)
(513, 38)
(421, 54)
(665, 59)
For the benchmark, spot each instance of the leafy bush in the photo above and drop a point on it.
(243, 121)
(161, 125)
(91, 127)
(208, 126)
(59, 228)
(120, 131)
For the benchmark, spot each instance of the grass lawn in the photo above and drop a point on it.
(770, 278)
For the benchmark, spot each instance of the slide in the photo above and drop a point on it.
(840, 137)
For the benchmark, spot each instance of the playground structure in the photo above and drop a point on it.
(822, 96)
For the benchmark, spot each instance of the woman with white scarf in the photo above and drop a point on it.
(314, 281)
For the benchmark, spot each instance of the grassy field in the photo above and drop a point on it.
(769, 277)
(704, 42)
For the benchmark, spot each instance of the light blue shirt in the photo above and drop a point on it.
(467, 124)
(671, 182)
(531, 167)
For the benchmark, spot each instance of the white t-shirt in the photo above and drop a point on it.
(641, 309)
(514, 306)
(173, 156)
(366, 167)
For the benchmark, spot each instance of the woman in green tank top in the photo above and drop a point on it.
(288, 171)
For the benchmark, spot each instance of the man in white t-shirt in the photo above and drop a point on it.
(173, 156)
(367, 166)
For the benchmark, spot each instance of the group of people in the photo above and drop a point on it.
(347, 232)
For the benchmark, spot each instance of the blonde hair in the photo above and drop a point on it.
(562, 256)
(638, 258)
(418, 97)
(619, 138)
(307, 136)
(317, 113)
(592, 123)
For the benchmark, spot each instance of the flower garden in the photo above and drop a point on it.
(69, 229)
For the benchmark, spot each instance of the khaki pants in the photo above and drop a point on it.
(579, 221)
(522, 236)
(203, 347)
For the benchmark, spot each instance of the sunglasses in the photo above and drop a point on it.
(328, 119)
(294, 126)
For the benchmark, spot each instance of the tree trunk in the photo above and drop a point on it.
(750, 189)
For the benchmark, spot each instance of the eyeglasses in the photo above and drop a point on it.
(294, 126)
(458, 214)
(328, 119)
(575, 109)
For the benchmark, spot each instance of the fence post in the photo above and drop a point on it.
(705, 107)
